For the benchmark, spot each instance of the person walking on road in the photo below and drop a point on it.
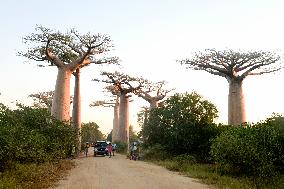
(109, 148)
(113, 148)
(87, 148)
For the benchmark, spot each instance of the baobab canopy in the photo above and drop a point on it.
(235, 66)
(67, 51)
(46, 45)
(230, 63)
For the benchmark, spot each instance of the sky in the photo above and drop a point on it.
(149, 37)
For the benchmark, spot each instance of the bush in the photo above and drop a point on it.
(155, 152)
(29, 135)
(183, 125)
(252, 150)
(121, 147)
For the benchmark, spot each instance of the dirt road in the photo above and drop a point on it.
(121, 173)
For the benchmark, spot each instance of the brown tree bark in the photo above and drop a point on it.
(61, 100)
(236, 103)
(123, 132)
(76, 112)
(115, 136)
(235, 66)
(153, 104)
(67, 51)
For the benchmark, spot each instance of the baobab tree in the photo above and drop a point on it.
(143, 116)
(76, 111)
(68, 52)
(42, 99)
(115, 104)
(153, 93)
(123, 85)
(235, 66)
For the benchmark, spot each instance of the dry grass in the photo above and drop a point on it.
(208, 174)
(32, 176)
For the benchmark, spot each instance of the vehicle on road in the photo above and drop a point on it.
(100, 148)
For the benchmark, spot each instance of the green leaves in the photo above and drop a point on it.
(90, 132)
(183, 125)
(31, 135)
(253, 150)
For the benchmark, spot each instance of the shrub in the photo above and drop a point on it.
(155, 152)
(121, 147)
(30, 135)
(183, 125)
(184, 159)
(250, 150)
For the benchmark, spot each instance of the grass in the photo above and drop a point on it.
(208, 174)
(33, 176)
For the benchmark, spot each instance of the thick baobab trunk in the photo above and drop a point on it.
(153, 104)
(236, 104)
(76, 112)
(146, 117)
(123, 131)
(61, 100)
(115, 129)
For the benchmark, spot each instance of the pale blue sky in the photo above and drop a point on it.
(149, 36)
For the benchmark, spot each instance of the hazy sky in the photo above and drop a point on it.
(149, 36)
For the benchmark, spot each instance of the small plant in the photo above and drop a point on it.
(185, 159)
(121, 147)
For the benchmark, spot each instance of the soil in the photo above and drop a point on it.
(118, 172)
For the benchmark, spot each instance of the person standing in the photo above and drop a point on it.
(87, 148)
(109, 148)
(73, 151)
(113, 148)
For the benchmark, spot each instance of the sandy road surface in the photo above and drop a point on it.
(121, 173)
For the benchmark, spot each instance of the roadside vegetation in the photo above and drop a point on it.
(34, 147)
(183, 137)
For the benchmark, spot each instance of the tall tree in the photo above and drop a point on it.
(142, 116)
(183, 125)
(91, 133)
(42, 99)
(123, 85)
(153, 93)
(76, 111)
(235, 66)
(68, 52)
(133, 137)
(115, 104)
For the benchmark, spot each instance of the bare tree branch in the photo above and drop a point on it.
(233, 65)
(69, 49)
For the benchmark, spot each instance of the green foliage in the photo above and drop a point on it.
(90, 132)
(29, 135)
(155, 152)
(109, 136)
(208, 174)
(132, 135)
(121, 147)
(185, 159)
(183, 125)
(255, 150)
